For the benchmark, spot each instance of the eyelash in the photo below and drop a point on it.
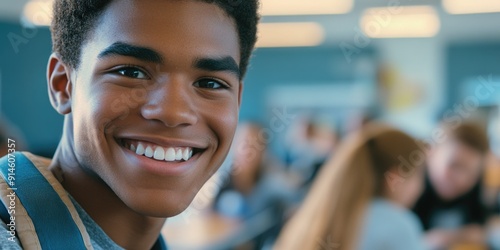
(223, 84)
(131, 66)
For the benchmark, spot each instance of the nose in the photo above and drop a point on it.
(172, 103)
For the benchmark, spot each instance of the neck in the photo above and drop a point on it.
(124, 226)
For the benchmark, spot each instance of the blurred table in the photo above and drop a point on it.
(198, 232)
(469, 247)
(212, 231)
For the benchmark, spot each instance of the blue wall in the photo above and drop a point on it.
(465, 61)
(24, 55)
(294, 66)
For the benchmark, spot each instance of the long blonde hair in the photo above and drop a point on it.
(332, 213)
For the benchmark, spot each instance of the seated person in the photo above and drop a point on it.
(256, 187)
(308, 145)
(450, 208)
(3, 139)
(11, 138)
(255, 183)
(361, 197)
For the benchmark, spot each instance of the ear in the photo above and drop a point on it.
(240, 93)
(59, 84)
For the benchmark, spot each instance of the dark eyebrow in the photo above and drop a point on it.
(124, 49)
(218, 64)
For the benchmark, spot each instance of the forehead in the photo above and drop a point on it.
(458, 151)
(174, 28)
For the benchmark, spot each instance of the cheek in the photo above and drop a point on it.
(92, 121)
(223, 121)
(465, 181)
(88, 118)
(412, 191)
(220, 120)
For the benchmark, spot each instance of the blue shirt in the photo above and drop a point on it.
(98, 238)
(390, 227)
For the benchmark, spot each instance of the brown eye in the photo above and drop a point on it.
(132, 72)
(209, 84)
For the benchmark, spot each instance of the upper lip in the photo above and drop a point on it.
(164, 142)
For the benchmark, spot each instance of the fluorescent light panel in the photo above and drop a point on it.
(38, 12)
(290, 34)
(304, 7)
(400, 22)
(471, 6)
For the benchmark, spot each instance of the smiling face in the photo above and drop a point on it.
(155, 100)
(454, 169)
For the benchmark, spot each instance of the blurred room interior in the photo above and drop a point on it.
(322, 68)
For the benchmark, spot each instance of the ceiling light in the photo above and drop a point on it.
(402, 21)
(471, 6)
(290, 34)
(303, 7)
(38, 12)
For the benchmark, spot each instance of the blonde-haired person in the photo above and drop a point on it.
(360, 198)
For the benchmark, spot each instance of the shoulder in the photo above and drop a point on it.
(29, 182)
(391, 226)
(18, 157)
(394, 214)
(391, 217)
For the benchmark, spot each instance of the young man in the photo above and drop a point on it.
(150, 92)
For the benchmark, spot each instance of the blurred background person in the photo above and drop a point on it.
(361, 197)
(492, 200)
(309, 143)
(256, 184)
(9, 131)
(451, 207)
(3, 144)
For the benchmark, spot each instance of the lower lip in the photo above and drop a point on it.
(163, 168)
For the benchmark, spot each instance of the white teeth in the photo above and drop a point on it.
(159, 154)
(178, 155)
(170, 154)
(148, 152)
(140, 149)
(185, 155)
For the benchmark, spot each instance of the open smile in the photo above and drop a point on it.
(160, 152)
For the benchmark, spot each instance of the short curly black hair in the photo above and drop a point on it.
(74, 19)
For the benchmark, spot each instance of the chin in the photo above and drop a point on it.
(153, 205)
(159, 210)
(447, 196)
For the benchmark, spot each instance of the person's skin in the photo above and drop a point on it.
(454, 168)
(446, 238)
(404, 191)
(248, 158)
(164, 99)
